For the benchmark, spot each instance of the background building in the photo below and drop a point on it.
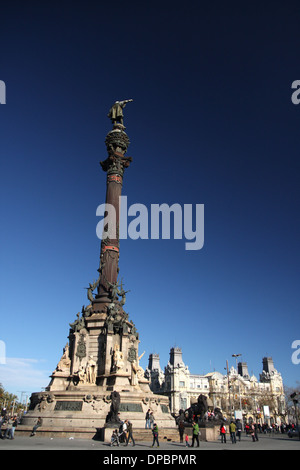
(260, 400)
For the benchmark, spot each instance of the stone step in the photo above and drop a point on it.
(139, 434)
(53, 431)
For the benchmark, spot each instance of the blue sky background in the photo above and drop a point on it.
(212, 123)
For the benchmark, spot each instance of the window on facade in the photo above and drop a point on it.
(181, 384)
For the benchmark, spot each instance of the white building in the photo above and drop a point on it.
(228, 392)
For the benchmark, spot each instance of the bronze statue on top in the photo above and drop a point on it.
(116, 111)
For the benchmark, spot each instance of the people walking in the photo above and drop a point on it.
(223, 433)
(151, 419)
(238, 429)
(195, 434)
(187, 444)
(232, 429)
(155, 435)
(14, 425)
(8, 432)
(181, 430)
(129, 433)
(2, 421)
(147, 418)
(123, 431)
(253, 432)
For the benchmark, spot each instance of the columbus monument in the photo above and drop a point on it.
(98, 381)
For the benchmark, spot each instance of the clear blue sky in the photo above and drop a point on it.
(212, 123)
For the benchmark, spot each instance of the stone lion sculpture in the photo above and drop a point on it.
(198, 409)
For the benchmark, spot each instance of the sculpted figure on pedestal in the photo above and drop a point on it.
(91, 371)
(137, 372)
(65, 361)
(116, 111)
(118, 358)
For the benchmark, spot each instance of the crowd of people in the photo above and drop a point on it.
(252, 429)
(9, 422)
(124, 434)
(233, 429)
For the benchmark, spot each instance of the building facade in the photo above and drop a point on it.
(259, 400)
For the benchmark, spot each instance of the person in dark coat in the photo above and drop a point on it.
(129, 433)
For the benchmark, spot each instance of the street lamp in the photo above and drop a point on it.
(229, 391)
(236, 356)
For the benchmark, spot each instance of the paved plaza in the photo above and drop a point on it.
(266, 442)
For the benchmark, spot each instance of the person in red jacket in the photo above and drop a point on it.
(223, 433)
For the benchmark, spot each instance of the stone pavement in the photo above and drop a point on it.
(266, 442)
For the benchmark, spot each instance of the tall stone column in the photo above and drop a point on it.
(117, 143)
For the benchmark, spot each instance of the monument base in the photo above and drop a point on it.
(82, 413)
(209, 433)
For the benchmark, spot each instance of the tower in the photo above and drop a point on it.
(176, 357)
(177, 377)
(268, 365)
(154, 374)
(98, 376)
(243, 370)
(269, 373)
(153, 363)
